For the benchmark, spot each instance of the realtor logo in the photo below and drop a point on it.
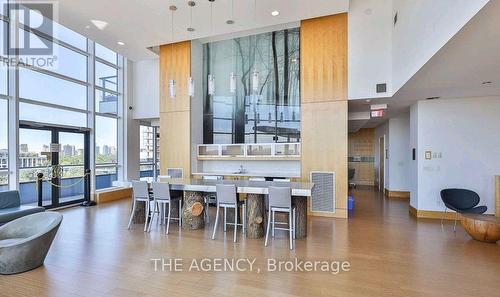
(29, 16)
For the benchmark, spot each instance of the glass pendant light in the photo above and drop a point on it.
(255, 81)
(190, 84)
(172, 83)
(232, 83)
(211, 84)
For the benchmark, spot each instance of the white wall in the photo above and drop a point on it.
(146, 102)
(465, 133)
(399, 153)
(370, 47)
(414, 163)
(397, 143)
(381, 131)
(423, 27)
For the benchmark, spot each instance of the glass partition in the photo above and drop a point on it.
(255, 95)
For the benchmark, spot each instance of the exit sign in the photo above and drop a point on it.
(377, 113)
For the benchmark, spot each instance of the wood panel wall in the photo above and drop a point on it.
(175, 113)
(323, 74)
(362, 143)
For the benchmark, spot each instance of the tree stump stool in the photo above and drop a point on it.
(255, 216)
(300, 216)
(140, 213)
(193, 211)
(481, 227)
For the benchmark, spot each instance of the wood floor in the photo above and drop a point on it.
(391, 254)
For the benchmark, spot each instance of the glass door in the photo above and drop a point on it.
(61, 155)
(72, 167)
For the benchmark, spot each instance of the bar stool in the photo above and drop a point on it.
(278, 180)
(227, 198)
(140, 193)
(210, 197)
(280, 200)
(161, 196)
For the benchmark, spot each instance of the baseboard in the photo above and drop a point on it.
(397, 194)
(339, 213)
(113, 194)
(431, 214)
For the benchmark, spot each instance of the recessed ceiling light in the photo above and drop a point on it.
(229, 22)
(101, 25)
(120, 43)
(275, 13)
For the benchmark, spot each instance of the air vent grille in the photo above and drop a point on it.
(323, 193)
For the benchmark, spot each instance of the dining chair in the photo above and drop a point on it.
(280, 200)
(210, 197)
(140, 193)
(228, 198)
(266, 203)
(175, 172)
(161, 197)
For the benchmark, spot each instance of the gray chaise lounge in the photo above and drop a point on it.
(11, 208)
(25, 242)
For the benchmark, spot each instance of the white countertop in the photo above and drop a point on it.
(252, 174)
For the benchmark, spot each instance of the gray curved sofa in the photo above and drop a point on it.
(25, 242)
(11, 208)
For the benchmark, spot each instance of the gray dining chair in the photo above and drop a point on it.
(140, 193)
(281, 181)
(161, 197)
(228, 198)
(280, 200)
(175, 172)
(210, 197)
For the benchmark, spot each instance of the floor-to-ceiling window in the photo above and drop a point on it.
(255, 94)
(80, 90)
(147, 151)
(106, 120)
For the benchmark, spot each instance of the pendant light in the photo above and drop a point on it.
(255, 81)
(232, 83)
(211, 77)
(172, 83)
(231, 20)
(190, 84)
(211, 84)
(255, 74)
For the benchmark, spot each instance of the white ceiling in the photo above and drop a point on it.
(458, 69)
(145, 23)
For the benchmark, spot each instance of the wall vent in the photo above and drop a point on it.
(323, 192)
(381, 88)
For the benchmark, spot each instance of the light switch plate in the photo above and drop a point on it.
(428, 155)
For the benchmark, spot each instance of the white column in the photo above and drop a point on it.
(91, 113)
(13, 112)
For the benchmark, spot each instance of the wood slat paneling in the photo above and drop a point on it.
(175, 113)
(323, 58)
(175, 62)
(497, 182)
(324, 143)
(175, 141)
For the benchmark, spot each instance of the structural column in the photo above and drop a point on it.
(323, 58)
